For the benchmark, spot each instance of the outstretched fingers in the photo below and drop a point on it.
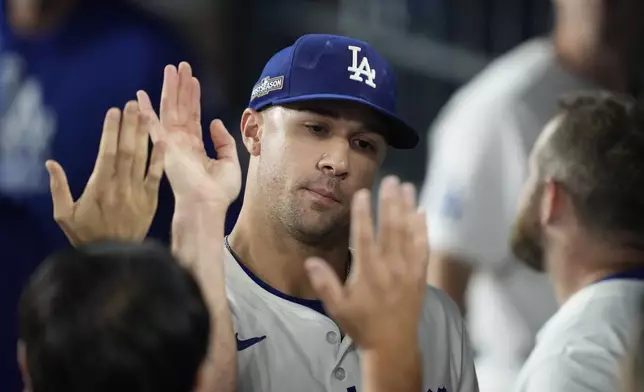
(169, 110)
(390, 219)
(362, 232)
(155, 170)
(150, 118)
(195, 105)
(127, 144)
(60, 193)
(327, 285)
(142, 148)
(420, 241)
(105, 166)
(184, 94)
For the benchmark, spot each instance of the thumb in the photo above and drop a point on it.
(326, 284)
(225, 145)
(60, 194)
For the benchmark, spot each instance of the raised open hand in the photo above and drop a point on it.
(194, 176)
(120, 200)
(382, 299)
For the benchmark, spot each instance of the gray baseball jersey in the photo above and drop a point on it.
(289, 344)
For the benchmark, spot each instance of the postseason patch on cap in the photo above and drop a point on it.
(267, 85)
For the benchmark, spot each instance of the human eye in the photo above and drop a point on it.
(316, 129)
(364, 145)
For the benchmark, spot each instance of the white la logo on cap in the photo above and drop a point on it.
(364, 69)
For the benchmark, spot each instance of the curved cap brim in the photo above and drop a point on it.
(401, 135)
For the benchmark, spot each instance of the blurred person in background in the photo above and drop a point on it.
(579, 220)
(479, 152)
(63, 63)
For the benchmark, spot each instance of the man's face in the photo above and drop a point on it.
(527, 236)
(314, 157)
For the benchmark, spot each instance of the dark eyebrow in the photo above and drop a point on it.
(320, 111)
(371, 126)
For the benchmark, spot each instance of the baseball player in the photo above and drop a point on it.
(317, 128)
(318, 125)
(580, 221)
(380, 314)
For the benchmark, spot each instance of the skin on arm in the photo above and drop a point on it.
(450, 274)
(203, 188)
(197, 240)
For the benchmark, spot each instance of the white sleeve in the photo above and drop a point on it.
(474, 180)
(445, 344)
(584, 373)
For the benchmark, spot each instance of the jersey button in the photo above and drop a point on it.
(332, 337)
(339, 373)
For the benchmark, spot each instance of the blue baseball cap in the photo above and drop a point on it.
(322, 66)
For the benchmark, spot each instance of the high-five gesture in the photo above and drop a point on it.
(193, 175)
(203, 189)
(383, 295)
(380, 304)
(120, 199)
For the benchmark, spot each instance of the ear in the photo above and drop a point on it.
(551, 202)
(251, 125)
(22, 365)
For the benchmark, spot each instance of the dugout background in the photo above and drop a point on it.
(434, 45)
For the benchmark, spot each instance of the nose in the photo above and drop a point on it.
(334, 160)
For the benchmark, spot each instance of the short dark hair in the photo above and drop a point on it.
(113, 317)
(597, 155)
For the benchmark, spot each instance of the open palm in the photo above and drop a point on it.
(194, 176)
(381, 301)
(120, 199)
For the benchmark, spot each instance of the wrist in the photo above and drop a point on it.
(387, 369)
(392, 347)
(197, 229)
(190, 207)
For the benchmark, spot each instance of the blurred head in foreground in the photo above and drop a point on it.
(112, 317)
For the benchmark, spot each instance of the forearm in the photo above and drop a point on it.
(452, 275)
(395, 369)
(197, 240)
